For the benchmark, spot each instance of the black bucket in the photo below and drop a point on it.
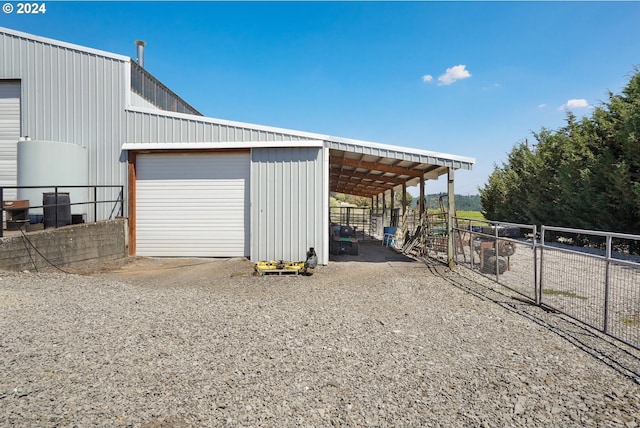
(63, 209)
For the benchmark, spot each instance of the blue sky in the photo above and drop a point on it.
(466, 78)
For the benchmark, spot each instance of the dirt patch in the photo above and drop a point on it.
(173, 271)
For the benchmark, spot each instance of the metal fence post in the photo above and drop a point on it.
(1, 211)
(471, 242)
(55, 215)
(121, 201)
(536, 291)
(95, 203)
(542, 231)
(495, 234)
(607, 279)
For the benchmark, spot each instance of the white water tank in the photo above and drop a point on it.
(53, 163)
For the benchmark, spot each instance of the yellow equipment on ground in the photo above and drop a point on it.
(272, 267)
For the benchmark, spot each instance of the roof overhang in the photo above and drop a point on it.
(367, 170)
(70, 46)
(220, 145)
(356, 167)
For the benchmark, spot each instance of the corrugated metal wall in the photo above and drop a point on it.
(288, 203)
(73, 96)
(9, 134)
(148, 127)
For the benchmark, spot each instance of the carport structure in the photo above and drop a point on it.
(287, 182)
(196, 186)
(371, 170)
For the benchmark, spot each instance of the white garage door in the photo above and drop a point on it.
(192, 205)
(9, 134)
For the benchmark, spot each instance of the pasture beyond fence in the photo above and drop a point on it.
(588, 275)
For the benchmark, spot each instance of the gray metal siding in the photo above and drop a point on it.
(75, 96)
(9, 134)
(287, 204)
(448, 161)
(156, 127)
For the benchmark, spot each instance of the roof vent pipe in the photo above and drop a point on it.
(140, 52)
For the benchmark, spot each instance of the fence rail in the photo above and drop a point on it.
(503, 252)
(598, 285)
(57, 206)
(588, 275)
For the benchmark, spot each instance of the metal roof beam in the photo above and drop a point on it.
(344, 187)
(355, 163)
(364, 176)
(361, 193)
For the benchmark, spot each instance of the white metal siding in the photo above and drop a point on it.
(9, 134)
(192, 205)
(289, 204)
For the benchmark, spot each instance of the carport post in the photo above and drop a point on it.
(404, 198)
(450, 214)
(421, 196)
(393, 196)
(384, 205)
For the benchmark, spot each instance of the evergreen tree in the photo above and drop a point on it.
(584, 175)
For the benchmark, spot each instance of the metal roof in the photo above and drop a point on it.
(70, 46)
(368, 169)
(356, 167)
(366, 175)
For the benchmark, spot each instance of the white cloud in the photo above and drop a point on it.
(427, 78)
(542, 105)
(453, 74)
(575, 103)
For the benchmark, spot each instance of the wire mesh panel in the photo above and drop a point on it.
(574, 283)
(502, 252)
(594, 277)
(623, 313)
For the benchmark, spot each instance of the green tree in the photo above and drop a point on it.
(585, 174)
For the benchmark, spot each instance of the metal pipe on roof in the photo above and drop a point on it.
(140, 44)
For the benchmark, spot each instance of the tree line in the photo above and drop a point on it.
(432, 201)
(584, 175)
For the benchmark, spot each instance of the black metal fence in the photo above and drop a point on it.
(370, 222)
(359, 218)
(56, 206)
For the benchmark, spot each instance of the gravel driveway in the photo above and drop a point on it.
(384, 342)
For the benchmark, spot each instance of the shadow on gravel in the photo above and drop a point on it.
(372, 252)
(618, 356)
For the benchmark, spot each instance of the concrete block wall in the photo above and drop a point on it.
(64, 246)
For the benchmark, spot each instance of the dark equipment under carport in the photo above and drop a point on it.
(342, 240)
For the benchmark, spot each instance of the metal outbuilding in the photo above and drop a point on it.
(197, 186)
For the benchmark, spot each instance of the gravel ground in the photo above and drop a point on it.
(575, 283)
(388, 342)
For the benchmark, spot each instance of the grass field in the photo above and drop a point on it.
(473, 215)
